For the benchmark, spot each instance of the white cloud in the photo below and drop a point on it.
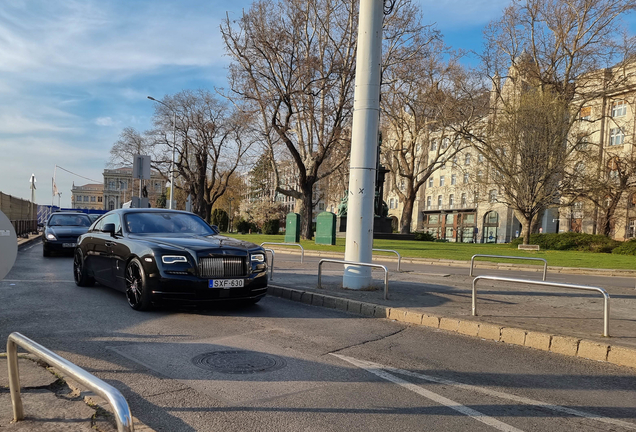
(104, 121)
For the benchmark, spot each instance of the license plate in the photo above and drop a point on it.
(69, 245)
(226, 283)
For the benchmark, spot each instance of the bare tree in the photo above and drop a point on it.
(548, 53)
(210, 144)
(419, 104)
(294, 60)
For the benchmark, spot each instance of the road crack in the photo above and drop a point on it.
(367, 341)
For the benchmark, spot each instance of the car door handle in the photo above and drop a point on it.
(109, 244)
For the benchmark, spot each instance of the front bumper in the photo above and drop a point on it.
(191, 289)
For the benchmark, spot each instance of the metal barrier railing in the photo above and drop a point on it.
(271, 267)
(399, 257)
(545, 263)
(554, 284)
(25, 226)
(123, 417)
(386, 271)
(302, 249)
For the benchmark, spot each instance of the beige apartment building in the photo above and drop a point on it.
(88, 196)
(119, 187)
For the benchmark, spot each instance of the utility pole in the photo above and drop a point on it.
(364, 141)
(230, 215)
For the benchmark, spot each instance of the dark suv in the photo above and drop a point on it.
(62, 230)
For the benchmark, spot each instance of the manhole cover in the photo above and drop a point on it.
(238, 362)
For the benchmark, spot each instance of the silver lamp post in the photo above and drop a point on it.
(174, 146)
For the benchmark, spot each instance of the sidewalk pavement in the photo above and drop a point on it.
(568, 322)
(53, 402)
(22, 241)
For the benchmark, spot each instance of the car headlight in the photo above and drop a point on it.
(258, 257)
(172, 259)
(50, 236)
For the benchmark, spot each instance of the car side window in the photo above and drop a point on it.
(111, 218)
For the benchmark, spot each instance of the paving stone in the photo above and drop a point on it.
(307, 298)
(564, 345)
(317, 299)
(354, 306)
(593, 350)
(396, 314)
(382, 311)
(622, 356)
(296, 295)
(538, 340)
(430, 321)
(513, 336)
(341, 304)
(412, 317)
(450, 324)
(367, 309)
(469, 328)
(490, 331)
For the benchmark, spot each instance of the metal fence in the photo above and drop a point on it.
(21, 213)
(123, 417)
(302, 249)
(606, 296)
(545, 263)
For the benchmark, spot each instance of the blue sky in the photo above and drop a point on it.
(74, 73)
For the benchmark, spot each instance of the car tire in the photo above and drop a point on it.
(137, 292)
(46, 252)
(80, 274)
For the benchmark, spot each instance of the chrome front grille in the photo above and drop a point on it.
(225, 267)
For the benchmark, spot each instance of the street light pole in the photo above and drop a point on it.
(174, 146)
(230, 221)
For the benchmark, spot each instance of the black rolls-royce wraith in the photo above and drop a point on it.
(157, 255)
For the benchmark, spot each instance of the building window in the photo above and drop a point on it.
(391, 203)
(631, 229)
(454, 161)
(453, 179)
(441, 181)
(111, 205)
(428, 203)
(463, 200)
(619, 108)
(616, 136)
(93, 199)
(430, 182)
(466, 176)
(433, 145)
(492, 196)
(99, 199)
(451, 200)
(440, 199)
(467, 159)
(480, 158)
(445, 143)
(85, 198)
(480, 175)
(321, 206)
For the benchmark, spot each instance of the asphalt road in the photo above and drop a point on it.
(310, 369)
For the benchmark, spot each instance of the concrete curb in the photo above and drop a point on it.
(566, 345)
(479, 264)
(24, 242)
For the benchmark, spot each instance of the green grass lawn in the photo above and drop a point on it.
(464, 251)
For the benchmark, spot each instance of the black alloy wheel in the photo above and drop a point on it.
(79, 271)
(136, 290)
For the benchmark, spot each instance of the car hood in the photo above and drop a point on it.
(67, 231)
(195, 242)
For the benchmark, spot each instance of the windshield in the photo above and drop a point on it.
(166, 223)
(70, 220)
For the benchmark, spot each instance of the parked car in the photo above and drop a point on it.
(157, 255)
(62, 230)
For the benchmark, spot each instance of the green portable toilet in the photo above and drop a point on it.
(292, 228)
(326, 228)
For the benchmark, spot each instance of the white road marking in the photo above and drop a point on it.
(377, 370)
(498, 394)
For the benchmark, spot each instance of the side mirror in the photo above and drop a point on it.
(109, 228)
(40, 225)
(215, 229)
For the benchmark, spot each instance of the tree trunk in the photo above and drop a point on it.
(306, 231)
(407, 214)
(525, 226)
